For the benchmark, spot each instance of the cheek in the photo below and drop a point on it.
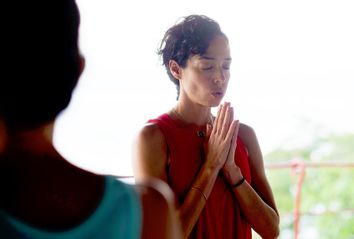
(197, 80)
(204, 82)
(227, 76)
(226, 73)
(197, 87)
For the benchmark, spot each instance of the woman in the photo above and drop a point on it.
(213, 164)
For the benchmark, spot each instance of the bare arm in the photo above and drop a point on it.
(150, 161)
(160, 219)
(256, 200)
(150, 157)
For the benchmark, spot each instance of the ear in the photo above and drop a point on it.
(175, 69)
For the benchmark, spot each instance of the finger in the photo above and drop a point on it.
(231, 155)
(221, 116)
(208, 131)
(237, 122)
(227, 121)
(230, 116)
(234, 137)
(232, 131)
(215, 123)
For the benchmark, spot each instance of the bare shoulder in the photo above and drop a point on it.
(150, 132)
(150, 143)
(150, 153)
(248, 135)
(160, 219)
(150, 140)
(249, 138)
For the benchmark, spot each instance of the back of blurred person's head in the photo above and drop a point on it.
(41, 63)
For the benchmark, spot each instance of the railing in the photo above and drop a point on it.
(298, 168)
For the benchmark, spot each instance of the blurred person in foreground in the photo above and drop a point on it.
(42, 194)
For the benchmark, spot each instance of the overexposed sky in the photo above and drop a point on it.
(292, 76)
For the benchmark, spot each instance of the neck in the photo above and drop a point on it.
(194, 114)
(33, 140)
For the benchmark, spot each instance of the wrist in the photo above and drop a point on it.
(213, 165)
(209, 170)
(239, 183)
(230, 166)
(232, 174)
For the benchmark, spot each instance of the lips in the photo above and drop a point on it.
(217, 94)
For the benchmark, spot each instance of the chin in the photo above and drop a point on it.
(214, 103)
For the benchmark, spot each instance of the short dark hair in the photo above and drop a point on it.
(41, 61)
(191, 36)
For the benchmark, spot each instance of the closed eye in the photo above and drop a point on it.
(207, 68)
(226, 66)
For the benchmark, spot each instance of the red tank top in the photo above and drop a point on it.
(221, 216)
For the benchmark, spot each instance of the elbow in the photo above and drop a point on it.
(277, 227)
(273, 231)
(271, 234)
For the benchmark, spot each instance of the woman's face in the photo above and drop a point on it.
(205, 78)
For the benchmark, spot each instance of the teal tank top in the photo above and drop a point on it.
(117, 216)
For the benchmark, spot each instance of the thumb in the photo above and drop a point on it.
(209, 128)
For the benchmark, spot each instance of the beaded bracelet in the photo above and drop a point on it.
(201, 191)
(239, 182)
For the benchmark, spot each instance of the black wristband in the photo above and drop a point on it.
(239, 183)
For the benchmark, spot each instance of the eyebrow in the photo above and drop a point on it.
(212, 58)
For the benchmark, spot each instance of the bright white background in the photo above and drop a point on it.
(292, 76)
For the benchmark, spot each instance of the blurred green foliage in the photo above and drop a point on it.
(327, 196)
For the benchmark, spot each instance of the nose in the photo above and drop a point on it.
(219, 75)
